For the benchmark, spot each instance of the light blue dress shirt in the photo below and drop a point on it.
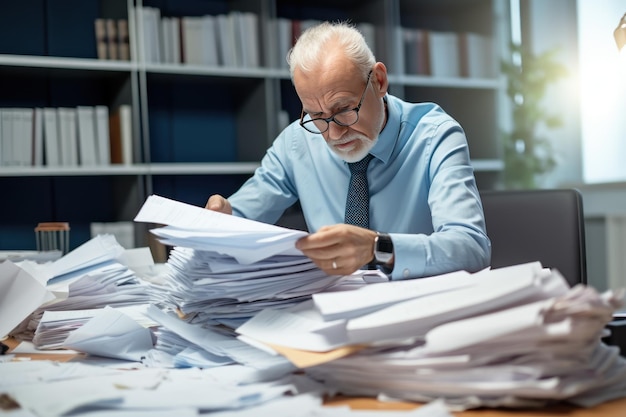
(422, 189)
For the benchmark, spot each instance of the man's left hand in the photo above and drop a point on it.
(340, 249)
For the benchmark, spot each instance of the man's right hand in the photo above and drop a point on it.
(218, 203)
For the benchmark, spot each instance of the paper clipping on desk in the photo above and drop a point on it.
(53, 389)
(48, 389)
(513, 336)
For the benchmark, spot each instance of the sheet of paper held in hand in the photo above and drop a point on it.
(246, 240)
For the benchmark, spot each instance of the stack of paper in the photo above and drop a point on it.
(216, 289)
(507, 337)
(222, 271)
(180, 345)
(225, 269)
(89, 277)
(55, 326)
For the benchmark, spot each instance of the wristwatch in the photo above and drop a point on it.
(383, 248)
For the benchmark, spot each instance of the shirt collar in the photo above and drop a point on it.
(387, 139)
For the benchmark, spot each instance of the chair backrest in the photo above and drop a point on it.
(537, 225)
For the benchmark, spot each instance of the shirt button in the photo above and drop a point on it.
(406, 273)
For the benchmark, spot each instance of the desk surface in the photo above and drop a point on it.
(615, 408)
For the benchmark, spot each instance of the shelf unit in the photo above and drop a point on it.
(197, 129)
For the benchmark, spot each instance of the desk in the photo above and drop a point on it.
(615, 408)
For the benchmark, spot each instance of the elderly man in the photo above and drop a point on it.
(381, 182)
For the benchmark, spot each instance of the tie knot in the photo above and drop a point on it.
(360, 166)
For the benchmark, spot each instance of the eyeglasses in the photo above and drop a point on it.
(343, 118)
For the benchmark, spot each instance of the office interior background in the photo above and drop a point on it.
(198, 130)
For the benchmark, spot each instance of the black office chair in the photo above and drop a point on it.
(537, 225)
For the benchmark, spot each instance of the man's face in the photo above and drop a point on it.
(337, 88)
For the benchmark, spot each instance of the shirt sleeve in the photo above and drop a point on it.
(270, 191)
(459, 240)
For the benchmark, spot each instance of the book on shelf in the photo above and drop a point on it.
(192, 50)
(112, 39)
(16, 137)
(68, 136)
(227, 40)
(102, 135)
(230, 40)
(175, 43)
(52, 148)
(285, 41)
(149, 24)
(87, 135)
(170, 38)
(24, 137)
(121, 137)
(55, 136)
(166, 39)
(476, 55)
(247, 38)
(37, 135)
(416, 51)
(101, 38)
(444, 54)
(208, 48)
(123, 41)
(6, 135)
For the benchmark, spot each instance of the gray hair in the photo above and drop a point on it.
(310, 47)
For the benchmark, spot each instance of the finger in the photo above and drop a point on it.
(322, 253)
(326, 237)
(213, 203)
(337, 266)
(218, 203)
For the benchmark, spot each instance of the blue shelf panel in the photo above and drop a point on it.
(22, 27)
(75, 36)
(194, 119)
(31, 200)
(196, 190)
(49, 28)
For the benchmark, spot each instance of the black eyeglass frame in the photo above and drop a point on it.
(332, 118)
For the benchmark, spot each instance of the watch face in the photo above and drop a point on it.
(383, 250)
(385, 245)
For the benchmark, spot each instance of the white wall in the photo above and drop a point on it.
(552, 24)
(602, 91)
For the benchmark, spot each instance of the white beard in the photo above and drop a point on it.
(355, 155)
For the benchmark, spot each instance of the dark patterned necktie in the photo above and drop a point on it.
(358, 201)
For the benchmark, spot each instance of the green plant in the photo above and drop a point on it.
(527, 154)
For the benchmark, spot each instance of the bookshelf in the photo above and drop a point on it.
(200, 128)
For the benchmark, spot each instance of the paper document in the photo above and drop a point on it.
(112, 334)
(246, 240)
(20, 295)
